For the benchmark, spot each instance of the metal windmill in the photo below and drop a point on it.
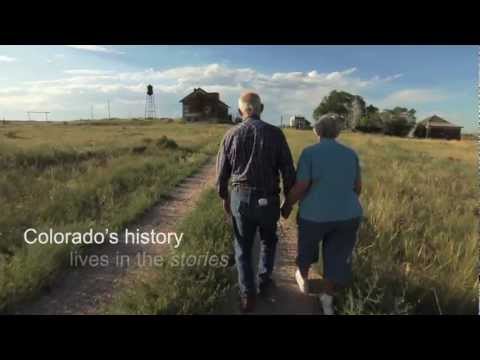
(150, 112)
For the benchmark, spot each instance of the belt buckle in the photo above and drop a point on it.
(262, 202)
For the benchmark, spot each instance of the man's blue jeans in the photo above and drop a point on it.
(248, 216)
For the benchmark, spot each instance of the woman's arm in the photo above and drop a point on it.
(304, 179)
(297, 193)
(358, 187)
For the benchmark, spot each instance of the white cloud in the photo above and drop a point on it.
(87, 72)
(7, 59)
(282, 92)
(56, 58)
(414, 96)
(95, 48)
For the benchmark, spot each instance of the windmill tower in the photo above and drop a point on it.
(150, 104)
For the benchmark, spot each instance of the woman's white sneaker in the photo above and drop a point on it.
(327, 304)
(302, 283)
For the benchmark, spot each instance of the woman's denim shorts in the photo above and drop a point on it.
(338, 240)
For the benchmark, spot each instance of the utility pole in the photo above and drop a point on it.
(91, 112)
(108, 105)
(281, 121)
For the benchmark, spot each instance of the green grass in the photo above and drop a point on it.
(417, 250)
(174, 289)
(418, 247)
(80, 176)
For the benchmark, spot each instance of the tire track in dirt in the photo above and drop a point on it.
(83, 290)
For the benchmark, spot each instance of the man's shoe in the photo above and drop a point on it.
(327, 304)
(247, 304)
(302, 282)
(265, 288)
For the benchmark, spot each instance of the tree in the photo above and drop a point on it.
(398, 121)
(357, 111)
(350, 107)
(370, 124)
(335, 102)
(403, 112)
(371, 110)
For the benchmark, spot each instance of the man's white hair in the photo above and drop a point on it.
(250, 104)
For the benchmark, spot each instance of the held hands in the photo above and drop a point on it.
(226, 206)
(285, 210)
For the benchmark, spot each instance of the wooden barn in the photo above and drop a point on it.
(437, 128)
(200, 105)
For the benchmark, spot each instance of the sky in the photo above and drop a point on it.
(70, 81)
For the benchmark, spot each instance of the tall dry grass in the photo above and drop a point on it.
(418, 245)
(80, 176)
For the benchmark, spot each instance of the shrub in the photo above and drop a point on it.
(11, 135)
(166, 143)
(397, 125)
(371, 124)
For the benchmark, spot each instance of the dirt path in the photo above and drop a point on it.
(83, 290)
(286, 297)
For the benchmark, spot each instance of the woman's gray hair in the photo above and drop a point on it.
(328, 125)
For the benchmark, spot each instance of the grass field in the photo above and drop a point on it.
(178, 289)
(81, 175)
(418, 248)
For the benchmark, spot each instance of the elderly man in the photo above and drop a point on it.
(251, 155)
(328, 186)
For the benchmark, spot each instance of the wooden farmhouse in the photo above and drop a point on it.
(437, 128)
(201, 105)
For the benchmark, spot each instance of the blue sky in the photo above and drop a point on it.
(69, 80)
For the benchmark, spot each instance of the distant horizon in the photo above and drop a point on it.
(71, 81)
(469, 132)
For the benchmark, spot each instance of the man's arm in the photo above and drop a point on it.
(285, 164)
(224, 170)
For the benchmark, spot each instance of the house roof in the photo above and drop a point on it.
(437, 121)
(444, 125)
(203, 92)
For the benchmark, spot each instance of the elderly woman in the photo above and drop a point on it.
(328, 185)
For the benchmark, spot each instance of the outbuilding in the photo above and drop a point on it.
(435, 127)
(201, 105)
